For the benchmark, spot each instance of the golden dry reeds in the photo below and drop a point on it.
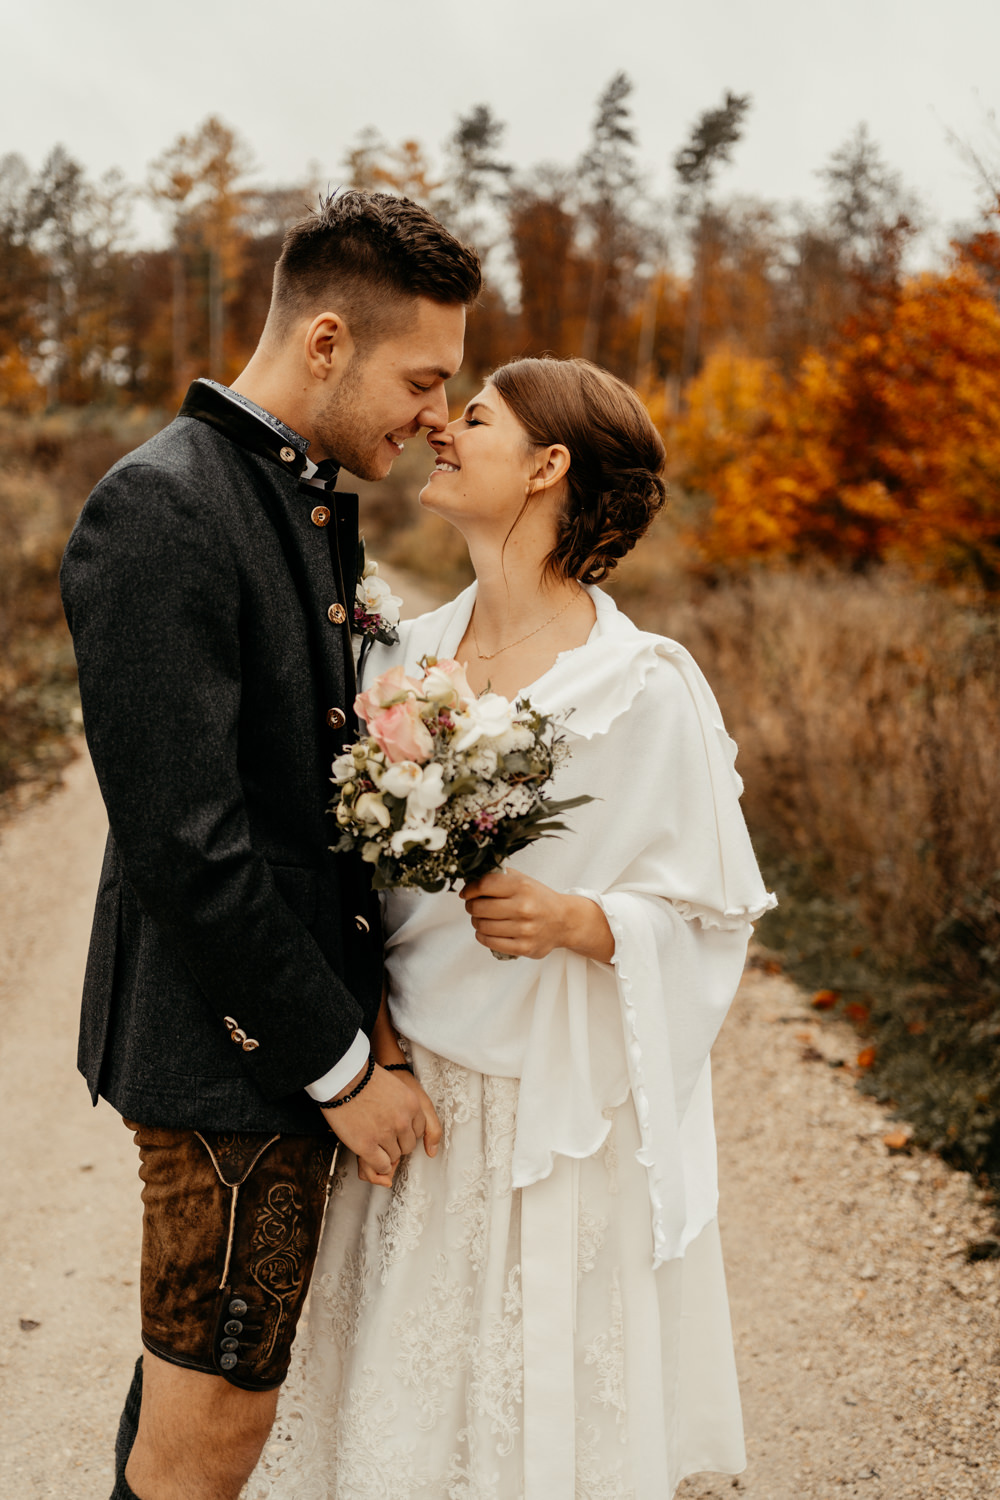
(867, 711)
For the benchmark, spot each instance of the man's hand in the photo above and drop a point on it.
(432, 1130)
(382, 1124)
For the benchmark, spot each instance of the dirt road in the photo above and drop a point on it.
(867, 1344)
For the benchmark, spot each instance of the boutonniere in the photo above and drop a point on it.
(376, 607)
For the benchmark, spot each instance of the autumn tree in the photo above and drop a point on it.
(477, 175)
(608, 187)
(77, 230)
(196, 181)
(374, 166)
(708, 147)
(553, 282)
(22, 291)
(887, 446)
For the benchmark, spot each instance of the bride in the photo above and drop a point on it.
(539, 1309)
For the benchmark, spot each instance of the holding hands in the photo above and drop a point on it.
(390, 1114)
(511, 913)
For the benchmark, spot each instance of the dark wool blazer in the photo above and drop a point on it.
(233, 957)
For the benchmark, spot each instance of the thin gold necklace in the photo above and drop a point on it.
(489, 655)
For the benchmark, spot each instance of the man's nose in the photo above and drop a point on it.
(435, 411)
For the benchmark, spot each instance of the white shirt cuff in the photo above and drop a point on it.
(343, 1071)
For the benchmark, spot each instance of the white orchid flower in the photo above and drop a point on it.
(401, 778)
(344, 768)
(371, 809)
(424, 832)
(422, 786)
(488, 717)
(428, 794)
(376, 598)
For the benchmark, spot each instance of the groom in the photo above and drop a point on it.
(235, 964)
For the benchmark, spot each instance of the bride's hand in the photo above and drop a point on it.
(432, 1132)
(512, 913)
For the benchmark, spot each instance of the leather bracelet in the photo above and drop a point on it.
(396, 1068)
(336, 1103)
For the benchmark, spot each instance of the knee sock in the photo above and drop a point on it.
(127, 1428)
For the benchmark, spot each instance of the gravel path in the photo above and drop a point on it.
(867, 1344)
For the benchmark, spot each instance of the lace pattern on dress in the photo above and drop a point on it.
(407, 1379)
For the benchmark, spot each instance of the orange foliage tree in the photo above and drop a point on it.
(887, 446)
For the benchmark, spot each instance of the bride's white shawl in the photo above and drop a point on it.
(666, 854)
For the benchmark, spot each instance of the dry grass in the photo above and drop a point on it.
(867, 711)
(868, 717)
(47, 467)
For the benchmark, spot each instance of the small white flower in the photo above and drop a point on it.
(371, 809)
(489, 717)
(376, 598)
(422, 786)
(401, 778)
(484, 761)
(518, 737)
(370, 570)
(428, 794)
(344, 768)
(424, 832)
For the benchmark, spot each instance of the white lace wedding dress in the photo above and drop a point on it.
(540, 1311)
(407, 1380)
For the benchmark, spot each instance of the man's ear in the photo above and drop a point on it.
(551, 465)
(328, 347)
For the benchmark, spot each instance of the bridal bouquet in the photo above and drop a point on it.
(445, 786)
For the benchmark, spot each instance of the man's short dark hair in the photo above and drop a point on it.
(362, 254)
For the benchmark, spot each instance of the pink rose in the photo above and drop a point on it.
(392, 687)
(402, 733)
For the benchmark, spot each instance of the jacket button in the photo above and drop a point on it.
(321, 515)
(336, 718)
(233, 1327)
(231, 1025)
(229, 1346)
(237, 1307)
(250, 1045)
(239, 1035)
(336, 614)
(287, 455)
(228, 1361)
(361, 924)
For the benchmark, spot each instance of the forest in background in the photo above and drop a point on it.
(831, 554)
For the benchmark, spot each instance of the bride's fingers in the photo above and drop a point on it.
(499, 883)
(433, 1130)
(378, 1176)
(507, 944)
(496, 911)
(500, 927)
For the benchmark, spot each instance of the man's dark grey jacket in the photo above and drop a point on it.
(233, 957)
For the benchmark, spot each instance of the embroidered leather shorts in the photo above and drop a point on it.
(230, 1230)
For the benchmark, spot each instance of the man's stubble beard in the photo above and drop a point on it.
(341, 429)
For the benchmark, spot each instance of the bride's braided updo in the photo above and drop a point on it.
(616, 457)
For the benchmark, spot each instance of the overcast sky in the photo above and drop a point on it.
(116, 82)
